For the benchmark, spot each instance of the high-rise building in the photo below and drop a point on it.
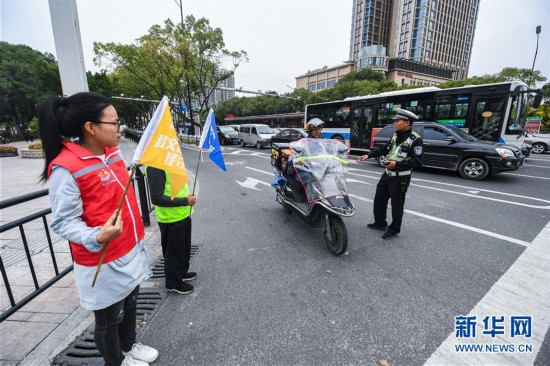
(438, 33)
(219, 95)
(224, 91)
(370, 33)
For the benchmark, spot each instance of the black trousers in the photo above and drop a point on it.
(393, 188)
(115, 329)
(175, 239)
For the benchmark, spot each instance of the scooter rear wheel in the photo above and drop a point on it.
(337, 243)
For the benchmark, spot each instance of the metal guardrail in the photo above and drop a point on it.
(145, 207)
(135, 136)
(16, 305)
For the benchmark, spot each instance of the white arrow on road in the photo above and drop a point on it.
(473, 192)
(251, 183)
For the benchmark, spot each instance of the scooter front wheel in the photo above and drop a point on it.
(336, 235)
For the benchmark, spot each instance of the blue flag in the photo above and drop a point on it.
(210, 141)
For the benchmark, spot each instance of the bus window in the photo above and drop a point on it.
(422, 108)
(443, 109)
(385, 114)
(488, 119)
(461, 109)
(326, 113)
(342, 117)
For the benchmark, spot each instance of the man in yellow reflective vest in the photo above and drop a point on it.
(403, 153)
(174, 219)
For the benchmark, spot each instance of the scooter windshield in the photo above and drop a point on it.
(320, 165)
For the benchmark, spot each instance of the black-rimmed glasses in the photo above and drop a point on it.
(116, 123)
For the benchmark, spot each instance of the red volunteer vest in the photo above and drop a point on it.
(101, 187)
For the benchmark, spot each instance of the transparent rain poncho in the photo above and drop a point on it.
(320, 165)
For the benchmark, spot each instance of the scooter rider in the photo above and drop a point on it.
(314, 128)
(404, 152)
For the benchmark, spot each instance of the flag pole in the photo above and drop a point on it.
(134, 167)
(197, 171)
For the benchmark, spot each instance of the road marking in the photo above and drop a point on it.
(535, 159)
(260, 171)
(472, 195)
(527, 176)
(237, 162)
(492, 199)
(482, 190)
(537, 166)
(456, 224)
(351, 180)
(474, 192)
(251, 183)
(522, 290)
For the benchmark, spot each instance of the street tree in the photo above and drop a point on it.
(363, 74)
(531, 78)
(185, 62)
(26, 78)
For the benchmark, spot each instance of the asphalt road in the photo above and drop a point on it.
(270, 293)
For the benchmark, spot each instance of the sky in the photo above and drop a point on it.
(283, 38)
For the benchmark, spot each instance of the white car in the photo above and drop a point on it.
(539, 144)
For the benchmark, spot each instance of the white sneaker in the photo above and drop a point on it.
(129, 361)
(142, 352)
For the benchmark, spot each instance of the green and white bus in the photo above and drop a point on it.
(492, 112)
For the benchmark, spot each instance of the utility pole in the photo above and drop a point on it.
(68, 46)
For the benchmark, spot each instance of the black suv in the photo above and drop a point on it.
(448, 147)
(227, 135)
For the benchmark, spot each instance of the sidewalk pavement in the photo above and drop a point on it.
(44, 327)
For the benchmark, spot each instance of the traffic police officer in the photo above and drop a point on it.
(403, 153)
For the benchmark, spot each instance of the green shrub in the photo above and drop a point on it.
(35, 146)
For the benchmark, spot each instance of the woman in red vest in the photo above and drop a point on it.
(86, 185)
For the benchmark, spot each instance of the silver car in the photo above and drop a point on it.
(539, 144)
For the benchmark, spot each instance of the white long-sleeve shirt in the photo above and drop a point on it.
(117, 278)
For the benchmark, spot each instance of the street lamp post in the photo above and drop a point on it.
(537, 49)
(180, 4)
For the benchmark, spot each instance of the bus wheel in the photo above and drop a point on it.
(242, 143)
(381, 161)
(474, 169)
(339, 138)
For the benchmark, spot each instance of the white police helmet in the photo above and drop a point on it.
(314, 123)
(405, 114)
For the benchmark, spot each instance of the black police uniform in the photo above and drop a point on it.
(394, 183)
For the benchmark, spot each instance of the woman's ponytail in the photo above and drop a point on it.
(50, 129)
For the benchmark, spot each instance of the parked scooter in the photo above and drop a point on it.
(311, 183)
